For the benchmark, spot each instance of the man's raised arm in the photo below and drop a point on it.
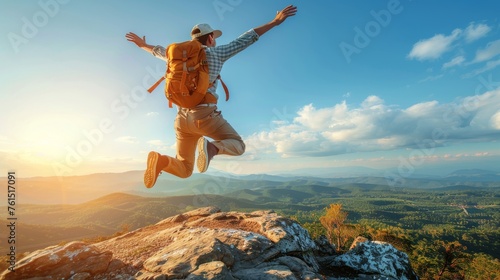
(280, 17)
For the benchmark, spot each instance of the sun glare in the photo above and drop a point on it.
(46, 137)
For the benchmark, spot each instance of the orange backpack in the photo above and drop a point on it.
(187, 79)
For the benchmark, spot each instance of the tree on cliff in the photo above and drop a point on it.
(440, 259)
(453, 258)
(334, 223)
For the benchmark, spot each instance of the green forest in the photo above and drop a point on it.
(448, 233)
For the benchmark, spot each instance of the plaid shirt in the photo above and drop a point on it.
(216, 56)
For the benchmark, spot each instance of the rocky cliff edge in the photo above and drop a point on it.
(209, 244)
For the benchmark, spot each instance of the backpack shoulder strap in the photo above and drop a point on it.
(226, 90)
(153, 87)
(150, 90)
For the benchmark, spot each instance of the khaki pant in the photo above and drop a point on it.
(190, 125)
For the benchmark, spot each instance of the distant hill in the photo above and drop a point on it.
(473, 175)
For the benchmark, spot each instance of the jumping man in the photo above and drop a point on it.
(193, 125)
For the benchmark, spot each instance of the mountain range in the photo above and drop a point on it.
(79, 189)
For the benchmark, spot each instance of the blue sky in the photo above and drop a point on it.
(411, 86)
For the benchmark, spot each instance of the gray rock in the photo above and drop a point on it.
(374, 257)
(324, 247)
(74, 260)
(215, 270)
(266, 271)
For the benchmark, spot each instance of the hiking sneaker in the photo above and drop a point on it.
(153, 170)
(203, 157)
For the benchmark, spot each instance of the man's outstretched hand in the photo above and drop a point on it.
(282, 15)
(140, 42)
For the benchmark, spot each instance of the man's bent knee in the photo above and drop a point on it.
(185, 175)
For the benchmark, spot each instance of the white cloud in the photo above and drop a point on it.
(162, 146)
(127, 139)
(431, 78)
(152, 114)
(491, 50)
(156, 142)
(454, 62)
(372, 101)
(476, 31)
(489, 65)
(422, 109)
(495, 120)
(375, 126)
(434, 47)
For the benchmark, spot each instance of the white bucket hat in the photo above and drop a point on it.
(204, 29)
